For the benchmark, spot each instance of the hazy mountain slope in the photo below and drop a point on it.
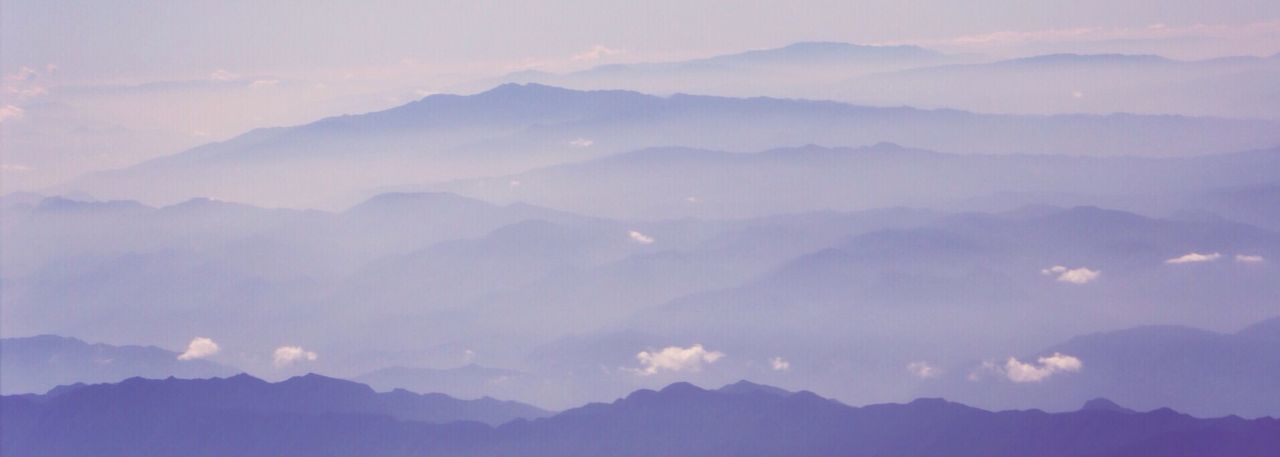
(1238, 87)
(679, 420)
(512, 128)
(789, 71)
(1201, 372)
(702, 183)
(39, 363)
(75, 267)
(869, 307)
(838, 296)
(1233, 87)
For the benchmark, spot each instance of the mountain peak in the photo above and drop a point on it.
(748, 387)
(1102, 404)
(681, 388)
(526, 88)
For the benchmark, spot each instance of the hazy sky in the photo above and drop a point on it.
(91, 85)
(156, 39)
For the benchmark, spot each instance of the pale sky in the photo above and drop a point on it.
(152, 39)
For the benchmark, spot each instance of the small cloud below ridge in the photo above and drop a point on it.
(288, 355)
(640, 237)
(1080, 275)
(779, 364)
(923, 370)
(676, 359)
(199, 348)
(1244, 258)
(1023, 372)
(1194, 257)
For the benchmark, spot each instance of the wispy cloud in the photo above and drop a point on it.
(199, 348)
(596, 52)
(581, 143)
(1194, 257)
(676, 359)
(288, 355)
(779, 364)
(223, 75)
(260, 83)
(640, 237)
(8, 112)
(923, 370)
(1244, 258)
(1080, 275)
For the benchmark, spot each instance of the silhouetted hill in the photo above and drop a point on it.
(308, 394)
(679, 420)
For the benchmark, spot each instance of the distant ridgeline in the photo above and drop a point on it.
(313, 415)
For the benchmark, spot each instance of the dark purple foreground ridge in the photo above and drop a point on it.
(314, 415)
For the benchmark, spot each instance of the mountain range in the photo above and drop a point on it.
(1232, 87)
(433, 281)
(339, 161)
(718, 184)
(166, 417)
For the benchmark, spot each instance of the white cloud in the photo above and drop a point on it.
(640, 237)
(11, 112)
(581, 143)
(1194, 257)
(596, 52)
(199, 348)
(264, 83)
(1020, 372)
(1242, 258)
(1080, 275)
(288, 355)
(779, 364)
(513, 183)
(923, 370)
(675, 358)
(1062, 362)
(692, 200)
(14, 168)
